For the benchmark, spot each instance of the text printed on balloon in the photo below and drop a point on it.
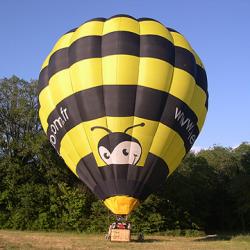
(57, 124)
(186, 123)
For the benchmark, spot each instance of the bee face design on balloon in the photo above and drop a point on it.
(119, 147)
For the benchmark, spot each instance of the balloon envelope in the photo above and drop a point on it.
(122, 100)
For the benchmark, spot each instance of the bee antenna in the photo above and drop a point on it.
(100, 127)
(137, 125)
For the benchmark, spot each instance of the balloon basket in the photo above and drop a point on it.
(121, 235)
(120, 230)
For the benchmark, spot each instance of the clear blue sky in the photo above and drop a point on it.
(219, 30)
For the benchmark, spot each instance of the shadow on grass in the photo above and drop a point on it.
(146, 240)
(215, 237)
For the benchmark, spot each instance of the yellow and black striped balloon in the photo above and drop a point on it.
(122, 100)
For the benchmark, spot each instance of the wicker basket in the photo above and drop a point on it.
(120, 235)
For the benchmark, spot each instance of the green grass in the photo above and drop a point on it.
(12, 240)
(245, 238)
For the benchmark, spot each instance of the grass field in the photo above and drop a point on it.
(43, 241)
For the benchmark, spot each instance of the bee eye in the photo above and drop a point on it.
(106, 155)
(125, 151)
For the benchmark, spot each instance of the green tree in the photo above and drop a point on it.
(32, 174)
(190, 191)
(226, 167)
(240, 188)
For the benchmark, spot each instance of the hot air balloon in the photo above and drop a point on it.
(122, 100)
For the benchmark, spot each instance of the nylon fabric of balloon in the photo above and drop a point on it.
(122, 100)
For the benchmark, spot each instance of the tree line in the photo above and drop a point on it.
(210, 191)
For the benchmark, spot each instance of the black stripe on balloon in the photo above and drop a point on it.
(102, 19)
(124, 179)
(84, 48)
(185, 60)
(43, 79)
(116, 43)
(122, 15)
(127, 43)
(201, 77)
(98, 19)
(119, 101)
(72, 30)
(206, 104)
(172, 30)
(121, 42)
(142, 19)
(201, 80)
(58, 61)
(157, 47)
